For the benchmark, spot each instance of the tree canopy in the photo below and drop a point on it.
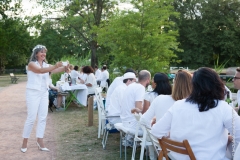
(144, 37)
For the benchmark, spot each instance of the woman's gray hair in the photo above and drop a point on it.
(35, 50)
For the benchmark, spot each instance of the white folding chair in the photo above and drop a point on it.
(155, 143)
(101, 111)
(124, 132)
(142, 139)
(106, 128)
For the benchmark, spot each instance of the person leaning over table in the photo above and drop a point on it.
(204, 119)
(37, 94)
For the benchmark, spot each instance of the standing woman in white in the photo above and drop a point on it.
(37, 94)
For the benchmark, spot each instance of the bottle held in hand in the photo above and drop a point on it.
(228, 100)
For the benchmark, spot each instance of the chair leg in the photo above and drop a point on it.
(105, 136)
(125, 147)
(142, 150)
(121, 144)
(134, 149)
(99, 127)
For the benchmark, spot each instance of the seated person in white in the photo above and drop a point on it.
(204, 119)
(54, 90)
(133, 98)
(82, 76)
(114, 109)
(90, 82)
(74, 75)
(104, 76)
(160, 85)
(116, 82)
(182, 88)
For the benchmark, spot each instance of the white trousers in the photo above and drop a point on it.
(37, 105)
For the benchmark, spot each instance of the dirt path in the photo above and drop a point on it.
(13, 113)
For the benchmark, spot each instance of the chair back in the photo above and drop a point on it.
(175, 146)
(154, 140)
(99, 99)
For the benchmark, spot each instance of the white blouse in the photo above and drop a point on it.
(207, 132)
(92, 80)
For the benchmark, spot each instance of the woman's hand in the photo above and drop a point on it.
(59, 64)
(136, 110)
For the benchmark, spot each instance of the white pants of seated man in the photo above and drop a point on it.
(115, 120)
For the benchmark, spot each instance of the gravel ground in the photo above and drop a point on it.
(13, 113)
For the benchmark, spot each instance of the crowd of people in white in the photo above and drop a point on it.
(192, 108)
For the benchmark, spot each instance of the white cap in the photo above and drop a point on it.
(129, 75)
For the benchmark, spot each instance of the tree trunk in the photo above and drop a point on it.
(93, 53)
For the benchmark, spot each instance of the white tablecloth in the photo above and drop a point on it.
(80, 90)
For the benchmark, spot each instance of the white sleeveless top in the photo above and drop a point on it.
(38, 81)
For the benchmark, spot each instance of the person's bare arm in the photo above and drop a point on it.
(146, 105)
(138, 105)
(57, 70)
(89, 84)
(36, 69)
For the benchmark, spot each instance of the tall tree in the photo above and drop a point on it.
(83, 17)
(142, 38)
(14, 36)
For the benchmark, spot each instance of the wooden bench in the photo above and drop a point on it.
(13, 78)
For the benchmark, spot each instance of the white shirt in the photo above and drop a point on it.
(98, 74)
(114, 109)
(116, 82)
(83, 76)
(92, 80)
(74, 75)
(158, 108)
(150, 96)
(206, 131)
(104, 77)
(134, 92)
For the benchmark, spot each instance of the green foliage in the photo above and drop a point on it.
(14, 38)
(142, 39)
(208, 29)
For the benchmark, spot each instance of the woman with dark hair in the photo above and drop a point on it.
(160, 85)
(182, 88)
(90, 82)
(204, 118)
(160, 105)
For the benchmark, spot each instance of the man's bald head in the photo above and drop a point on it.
(144, 75)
